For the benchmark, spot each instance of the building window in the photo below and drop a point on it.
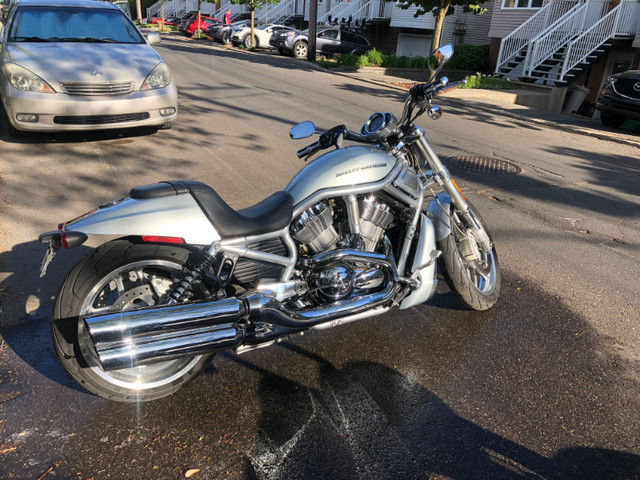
(522, 3)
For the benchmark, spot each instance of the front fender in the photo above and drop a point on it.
(438, 212)
(169, 216)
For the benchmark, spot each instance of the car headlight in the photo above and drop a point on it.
(159, 77)
(25, 80)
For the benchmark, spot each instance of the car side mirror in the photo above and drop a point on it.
(153, 37)
(439, 57)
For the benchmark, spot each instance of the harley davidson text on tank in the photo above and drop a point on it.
(358, 231)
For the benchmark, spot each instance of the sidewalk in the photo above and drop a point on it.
(497, 103)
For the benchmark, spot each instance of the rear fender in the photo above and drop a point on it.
(177, 216)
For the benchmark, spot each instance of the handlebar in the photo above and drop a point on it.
(309, 150)
(331, 138)
(419, 95)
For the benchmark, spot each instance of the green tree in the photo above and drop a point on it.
(440, 9)
(254, 5)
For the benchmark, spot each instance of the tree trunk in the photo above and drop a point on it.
(198, 19)
(253, 33)
(437, 30)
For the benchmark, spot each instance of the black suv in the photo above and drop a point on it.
(619, 99)
(329, 41)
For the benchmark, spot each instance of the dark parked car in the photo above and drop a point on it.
(619, 99)
(329, 41)
(221, 32)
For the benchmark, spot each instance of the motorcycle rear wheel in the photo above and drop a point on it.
(119, 275)
(475, 282)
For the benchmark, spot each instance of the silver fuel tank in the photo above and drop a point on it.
(345, 167)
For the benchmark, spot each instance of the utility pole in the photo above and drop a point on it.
(138, 11)
(313, 27)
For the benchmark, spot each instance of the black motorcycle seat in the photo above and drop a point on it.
(271, 214)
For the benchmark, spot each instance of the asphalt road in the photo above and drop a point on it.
(544, 386)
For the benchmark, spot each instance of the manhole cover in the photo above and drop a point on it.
(484, 165)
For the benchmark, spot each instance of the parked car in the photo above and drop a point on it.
(329, 41)
(263, 34)
(81, 65)
(619, 98)
(167, 20)
(221, 32)
(190, 25)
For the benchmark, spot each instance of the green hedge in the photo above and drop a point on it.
(470, 57)
(466, 57)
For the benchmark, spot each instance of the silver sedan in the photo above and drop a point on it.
(81, 65)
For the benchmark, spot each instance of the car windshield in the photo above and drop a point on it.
(63, 24)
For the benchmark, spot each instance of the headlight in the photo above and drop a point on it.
(159, 77)
(24, 80)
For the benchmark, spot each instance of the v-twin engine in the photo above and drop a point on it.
(316, 226)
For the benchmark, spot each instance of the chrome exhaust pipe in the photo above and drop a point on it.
(131, 338)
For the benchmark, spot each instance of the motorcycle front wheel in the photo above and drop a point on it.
(119, 275)
(474, 278)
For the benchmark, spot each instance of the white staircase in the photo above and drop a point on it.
(564, 35)
(179, 7)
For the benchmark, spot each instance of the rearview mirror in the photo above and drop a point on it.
(302, 130)
(439, 57)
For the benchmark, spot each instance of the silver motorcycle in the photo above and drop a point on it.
(358, 231)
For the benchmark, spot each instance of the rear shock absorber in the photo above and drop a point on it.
(193, 273)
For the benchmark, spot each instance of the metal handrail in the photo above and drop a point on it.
(547, 16)
(346, 9)
(549, 42)
(622, 20)
(271, 13)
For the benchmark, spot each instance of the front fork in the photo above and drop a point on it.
(443, 177)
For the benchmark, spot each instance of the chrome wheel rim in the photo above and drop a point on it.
(301, 50)
(481, 270)
(134, 285)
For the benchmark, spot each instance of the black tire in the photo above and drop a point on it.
(246, 41)
(100, 281)
(475, 282)
(300, 49)
(613, 121)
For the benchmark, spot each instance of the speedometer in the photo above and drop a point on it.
(379, 124)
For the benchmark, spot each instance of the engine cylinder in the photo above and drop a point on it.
(314, 228)
(375, 218)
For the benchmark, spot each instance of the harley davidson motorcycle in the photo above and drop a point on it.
(358, 231)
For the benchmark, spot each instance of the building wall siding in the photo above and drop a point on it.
(506, 20)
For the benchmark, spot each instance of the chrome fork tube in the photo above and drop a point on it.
(444, 178)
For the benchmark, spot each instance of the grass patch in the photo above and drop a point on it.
(488, 82)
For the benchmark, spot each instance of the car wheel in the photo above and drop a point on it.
(609, 120)
(246, 41)
(300, 49)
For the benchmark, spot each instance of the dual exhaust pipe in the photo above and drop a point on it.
(132, 338)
